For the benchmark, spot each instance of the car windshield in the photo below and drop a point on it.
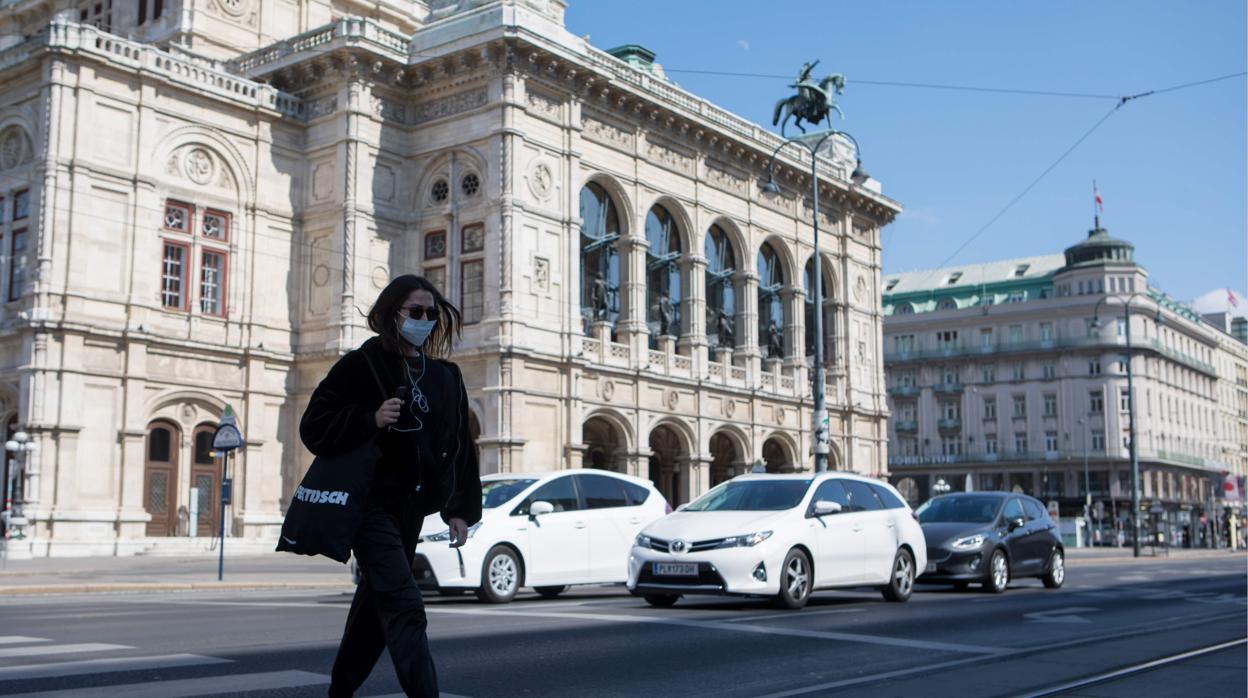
(498, 492)
(959, 510)
(752, 495)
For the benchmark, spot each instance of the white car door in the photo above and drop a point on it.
(838, 547)
(612, 525)
(877, 528)
(558, 542)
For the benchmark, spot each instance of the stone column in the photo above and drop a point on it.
(632, 328)
(747, 321)
(694, 478)
(694, 342)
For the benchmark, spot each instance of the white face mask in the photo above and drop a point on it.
(416, 331)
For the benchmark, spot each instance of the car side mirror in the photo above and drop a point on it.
(1014, 523)
(824, 507)
(538, 508)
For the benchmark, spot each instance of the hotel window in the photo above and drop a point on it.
(1050, 442)
(951, 375)
(950, 446)
(947, 339)
(1046, 332)
(1098, 440)
(1016, 334)
(903, 343)
(990, 408)
(988, 373)
(950, 410)
(1017, 372)
(1049, 370)
(990, 444)
(1050, 405)
(1094, 367)
(1020, 442)
(1124, 400)
(1096, 402)
(194, 261)
(985, 337)
(1020, 405)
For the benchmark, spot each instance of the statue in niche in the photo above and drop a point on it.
(775, 341)
(724, 330)
(598, 293)
(666, 314)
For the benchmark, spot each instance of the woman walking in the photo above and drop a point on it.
(428, 464)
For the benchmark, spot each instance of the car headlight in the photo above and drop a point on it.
(969, 542)
(748, 540)
(444, 536)
(642, 541)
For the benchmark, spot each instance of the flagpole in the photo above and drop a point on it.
(1096, 209)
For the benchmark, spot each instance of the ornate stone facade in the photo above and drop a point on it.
(204, 228)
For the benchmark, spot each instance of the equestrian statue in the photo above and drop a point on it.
(812, 103)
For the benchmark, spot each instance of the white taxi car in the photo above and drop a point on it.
(782, 536)
(541, 530)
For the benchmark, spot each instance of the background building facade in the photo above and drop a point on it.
(1012, 375)
(201, 197)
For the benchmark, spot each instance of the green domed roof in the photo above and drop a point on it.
(1100, 248)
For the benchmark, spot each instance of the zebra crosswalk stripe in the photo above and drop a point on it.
(20, 639)
(106, 665)
(45, 650)
(181, 688)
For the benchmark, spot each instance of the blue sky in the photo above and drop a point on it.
(1172, 168)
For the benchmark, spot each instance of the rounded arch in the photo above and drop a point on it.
(835, 461)
(203, 407)
(194, 134)
(440, 166)
(727, 447)
(784, 252)
(669, 442)
(623, 202)
(679, 212)
(684, 431)
(617, 420)
(830, 289)
(737, 238)
(779, 452)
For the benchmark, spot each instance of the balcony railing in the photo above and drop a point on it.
(1006, 348)
(949, 424)
(903, 390)
(948, 388)
(906, 426)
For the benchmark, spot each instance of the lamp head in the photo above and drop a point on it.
(12, 446)
(21, 437)
(1096, 322)
(859, 175)
(770, 188)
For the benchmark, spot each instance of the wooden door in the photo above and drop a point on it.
(206, 476)
(160, 479)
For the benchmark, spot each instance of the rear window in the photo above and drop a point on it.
(636, 493)
(861, 496)
(1035, 512)
(891, 501)
(497, 492)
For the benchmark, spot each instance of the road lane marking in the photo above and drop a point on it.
(20, 639)
(1134, 669)
(203, 686)
(735, 627)
(782, 616)
(101, 666)
(43, 650)
(1061, 615)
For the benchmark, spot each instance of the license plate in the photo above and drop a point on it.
(931, 567)
(676, 569)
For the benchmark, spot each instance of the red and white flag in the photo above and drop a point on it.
(1230, 298)
(1231, 488)
(1100, 205)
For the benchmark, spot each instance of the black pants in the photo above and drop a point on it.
(387, 611)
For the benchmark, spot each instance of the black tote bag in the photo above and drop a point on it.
(330, 502)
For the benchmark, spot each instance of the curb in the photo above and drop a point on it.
(126, 587)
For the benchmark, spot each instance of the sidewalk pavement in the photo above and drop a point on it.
(199, 573)
(277, 571)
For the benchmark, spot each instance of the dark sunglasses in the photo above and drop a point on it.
(417, 312)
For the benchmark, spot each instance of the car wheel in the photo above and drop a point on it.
(795, 580)
(550, 592)
(661, 600)
(1056, 575)
(998, 573)
(901, 579)
(500, 576)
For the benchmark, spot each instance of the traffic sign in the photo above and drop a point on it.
(228, 437)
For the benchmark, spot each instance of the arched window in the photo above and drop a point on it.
(721, 295)
(662, 275)
(600, 260)
(770, 304)
(947, 304)
(903, 309)
(829, 313)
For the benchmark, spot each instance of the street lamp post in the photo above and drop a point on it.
(815, 110)
(1134, 451)
(21, 446)
(1087, 486)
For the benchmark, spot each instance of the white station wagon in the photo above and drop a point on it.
(541, 530)
(782, 536)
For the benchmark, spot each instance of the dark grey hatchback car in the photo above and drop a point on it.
(990, 538)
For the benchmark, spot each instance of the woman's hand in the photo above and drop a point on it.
(459, 532)
(388, 413)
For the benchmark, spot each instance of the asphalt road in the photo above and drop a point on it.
(1157, 628)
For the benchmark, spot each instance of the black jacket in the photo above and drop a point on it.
(340, 416)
